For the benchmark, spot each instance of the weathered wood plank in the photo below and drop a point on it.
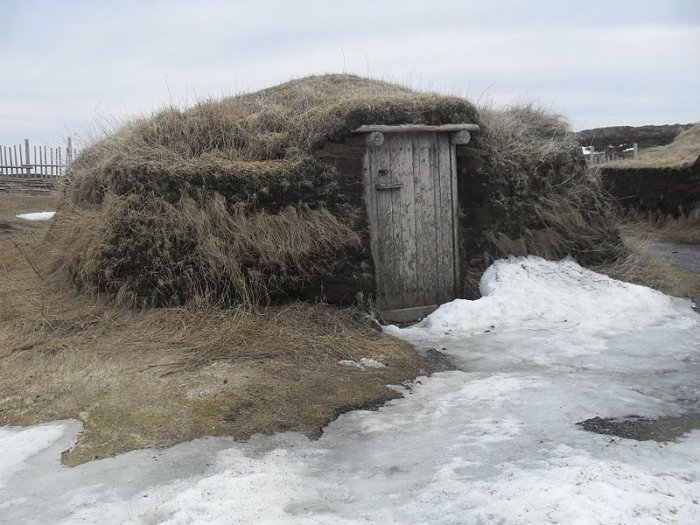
(426, 217)
(27, 159)
(414, 128)
(444, 223)
(399, 270)
(380, 162)
(408, 315)
(455, 221)
(69, 152)
(371, 203)
(400, 150)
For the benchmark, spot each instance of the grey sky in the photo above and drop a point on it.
(65, 65)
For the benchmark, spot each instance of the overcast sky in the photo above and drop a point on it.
(65, 65)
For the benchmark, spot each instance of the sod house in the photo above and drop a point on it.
(333, 187)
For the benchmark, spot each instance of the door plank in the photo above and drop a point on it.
(371, 203)
(402, 162)
(381, 175)
(457, 254)
(425, 216)
(398, 297)
(444, 222)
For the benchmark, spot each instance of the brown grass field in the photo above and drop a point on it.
(156, 377)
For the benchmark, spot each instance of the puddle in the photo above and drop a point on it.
(666, 428)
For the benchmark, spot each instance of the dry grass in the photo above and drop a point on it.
(682, 152)
(543, 198)
(640, 267)
(156, 377)
(683, 229)
(203, 252)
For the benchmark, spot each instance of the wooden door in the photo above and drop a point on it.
(410, 189)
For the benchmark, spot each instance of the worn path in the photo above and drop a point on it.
(684, 255)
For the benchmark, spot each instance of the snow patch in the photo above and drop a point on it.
(18, 444)
(363, 363)
(37, 216)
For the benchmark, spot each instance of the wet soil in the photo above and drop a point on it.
(665, 428)
(439, 361)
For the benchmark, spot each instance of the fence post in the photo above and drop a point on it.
(69, 152)
(635, 152)
(27, 162)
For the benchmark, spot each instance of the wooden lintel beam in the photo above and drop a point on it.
(403, 128)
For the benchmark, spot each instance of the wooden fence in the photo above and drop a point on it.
(610, 154)
(36, 162)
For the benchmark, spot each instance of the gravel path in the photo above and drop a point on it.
(684, 255)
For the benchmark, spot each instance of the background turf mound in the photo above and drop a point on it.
(664, 180)
(225, 202)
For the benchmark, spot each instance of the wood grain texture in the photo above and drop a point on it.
(415, 128)
(426, 217)
(455, 221)
(444, 223)
(410, 191)
(380, 163)
(402, 165)
(460, 137)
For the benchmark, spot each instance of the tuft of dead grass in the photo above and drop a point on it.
(541, 197)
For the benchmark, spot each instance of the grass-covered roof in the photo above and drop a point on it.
(225, 202)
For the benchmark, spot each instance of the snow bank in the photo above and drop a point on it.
(531, 291)
(549, 345)
(37, 216)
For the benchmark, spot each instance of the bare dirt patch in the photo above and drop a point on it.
(666, 428)
(156, 377)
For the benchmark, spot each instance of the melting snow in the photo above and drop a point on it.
(365, 362)
(548, 345)
(37, 216)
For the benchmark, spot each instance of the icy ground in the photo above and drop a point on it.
(37, 216)
(550, 344)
